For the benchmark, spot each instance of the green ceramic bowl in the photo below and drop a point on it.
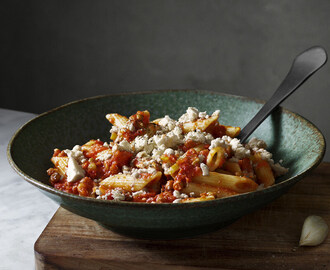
(289, 136)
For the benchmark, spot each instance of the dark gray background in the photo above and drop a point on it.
(53, 52)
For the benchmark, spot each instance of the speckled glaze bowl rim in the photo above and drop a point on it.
(273, 188)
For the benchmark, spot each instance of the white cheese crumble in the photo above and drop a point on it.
(205, 169)
(75, 172)
(136, 173)
(137, 193)
(76, 153)
(118, 195)
(169, 151)
(198, 136)
(124, 145)
(239, 150)
(167, 123)
(256, 143)
(203, 115)
(179, 195)
(190, 116)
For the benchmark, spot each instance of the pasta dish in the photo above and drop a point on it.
(191, 159)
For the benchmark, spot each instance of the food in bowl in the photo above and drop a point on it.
(165, 161)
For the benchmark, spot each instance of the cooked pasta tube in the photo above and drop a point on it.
(232, 131)
(199, 199)
(117, 119)
(61, 163)
(232, 167)
(215, 158)
(236, 183)
(127, 182)
(199, 188)
(264, 173)
(201, 124)
(103, 155)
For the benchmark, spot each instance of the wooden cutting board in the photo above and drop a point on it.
(265, 239)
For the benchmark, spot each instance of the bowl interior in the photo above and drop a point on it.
(289, 137)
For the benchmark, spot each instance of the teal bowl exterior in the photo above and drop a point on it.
(289, 137)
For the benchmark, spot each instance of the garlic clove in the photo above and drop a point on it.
(314, 231)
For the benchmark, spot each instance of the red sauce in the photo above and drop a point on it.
(67, 186)
(94, 149)
(164, 197)
(140, 122)
(145, 197)
(218, 130)
(116, 162)
(187, 167)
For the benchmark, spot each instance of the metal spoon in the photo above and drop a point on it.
(303, 66)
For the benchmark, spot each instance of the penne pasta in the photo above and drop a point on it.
(236, 183)
(264, 173)
(201, 124)
(199, 188)
(232, 167)
(199, 199)
(127, 182)
(215, 158)
(61, 163)
(117, 120)
(232, 131)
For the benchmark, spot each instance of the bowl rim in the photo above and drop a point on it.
(252, 194)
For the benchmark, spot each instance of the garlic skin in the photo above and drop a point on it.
(314, 231)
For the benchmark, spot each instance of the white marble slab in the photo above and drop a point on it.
(24, 211)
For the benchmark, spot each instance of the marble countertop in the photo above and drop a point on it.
(25, 211)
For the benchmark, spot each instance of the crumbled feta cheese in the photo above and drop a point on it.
(176, 194)
(136, 173)
(167, 123)
(118, 195)
(203, 115)
(278, 169)
(124, 145)
(75, 172)
(137, 193)
(241, 152)
(256, 143)
(76, 153)
(264, 154)
(238, 149)
(169, 152)
(166, 167)
(141, 143)
(218, 142)
(190, 116)
(106, 144)
(114, 129)
(179, 195)
(205, 169)
(198, 136)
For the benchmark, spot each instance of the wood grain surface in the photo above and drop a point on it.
(265, 239)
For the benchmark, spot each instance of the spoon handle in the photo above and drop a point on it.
(303, 66)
